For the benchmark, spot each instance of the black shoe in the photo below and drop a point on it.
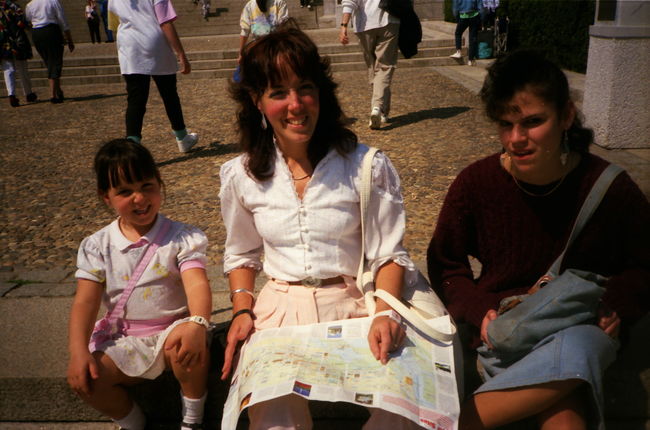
(13, 101)
(56, 100)
(31, 97)
(59, 95)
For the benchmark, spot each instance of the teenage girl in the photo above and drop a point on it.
(163, 324)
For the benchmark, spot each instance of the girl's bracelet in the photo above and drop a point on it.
(241, 290)
(391, 313)
(243, 311)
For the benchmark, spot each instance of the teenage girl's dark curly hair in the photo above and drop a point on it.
(530, 70)
(123, 160)
(267, 62)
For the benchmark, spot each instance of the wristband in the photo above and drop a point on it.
(198, 319)
(242, 290)
(390, 314)
(344, 25)
(243, 311)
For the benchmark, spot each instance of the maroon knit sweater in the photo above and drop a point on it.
(516, 237)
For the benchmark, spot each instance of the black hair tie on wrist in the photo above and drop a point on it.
(243, 311)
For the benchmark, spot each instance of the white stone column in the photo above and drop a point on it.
(616, 100)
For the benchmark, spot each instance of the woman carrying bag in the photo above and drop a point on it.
(293, 199)
(514, 212)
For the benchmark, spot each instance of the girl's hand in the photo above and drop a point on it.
(385, 335)
(80, 368)
(240, 328)
(189, 341)
(609, 321)
(490, 316)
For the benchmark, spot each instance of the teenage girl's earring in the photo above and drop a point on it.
(564, 156)
(264, 125)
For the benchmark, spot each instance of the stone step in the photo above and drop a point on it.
(207, 64)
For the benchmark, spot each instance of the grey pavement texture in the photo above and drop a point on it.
(49, 204)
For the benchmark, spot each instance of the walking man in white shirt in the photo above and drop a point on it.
(377, 31)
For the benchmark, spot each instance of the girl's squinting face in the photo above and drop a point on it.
(292, 109)
(531, 133)
(137, 204)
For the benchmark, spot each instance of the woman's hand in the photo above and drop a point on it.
(189, 341)
(385, 335)
(490, 316)
(240, 328)
(609, 321)
(81, 369)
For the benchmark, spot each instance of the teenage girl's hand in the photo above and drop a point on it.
(189, 341)
(240, 328)
(343, 36)
(385, 335)
(81, 367)
(490, 316)
(609, 321)
(186, 67)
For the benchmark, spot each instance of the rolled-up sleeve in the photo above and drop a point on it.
(386, 220)
(243, 243)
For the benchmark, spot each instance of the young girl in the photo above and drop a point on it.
(163, 324)
(146, 44)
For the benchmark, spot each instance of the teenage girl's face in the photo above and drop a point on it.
(137, 204)
(531, 133)
(292, 109)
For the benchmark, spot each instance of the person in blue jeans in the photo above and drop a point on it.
(468, 14)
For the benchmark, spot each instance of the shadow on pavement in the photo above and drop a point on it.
(422, 115)
(213, 149)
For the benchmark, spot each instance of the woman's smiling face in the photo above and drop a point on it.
(291, 107)
(531, 134)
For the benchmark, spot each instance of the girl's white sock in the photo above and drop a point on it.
(192, 410)
(134, 420)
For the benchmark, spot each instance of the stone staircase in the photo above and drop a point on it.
(221, 62)
(212, 44)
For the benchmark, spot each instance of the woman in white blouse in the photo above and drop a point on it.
(293, 196)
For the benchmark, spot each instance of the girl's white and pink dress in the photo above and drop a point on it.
(158, 300)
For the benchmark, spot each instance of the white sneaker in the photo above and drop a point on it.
(384, 119)
(186, 143)
(457, 54)
(375, 118)
(471, 62)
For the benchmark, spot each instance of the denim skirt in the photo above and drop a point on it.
(578, 352)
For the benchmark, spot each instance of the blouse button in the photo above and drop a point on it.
(308, 267)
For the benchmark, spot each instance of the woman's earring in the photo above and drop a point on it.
(264, 125)
(564, 156)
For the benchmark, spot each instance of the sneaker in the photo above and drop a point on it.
(186, 143)
(384, 119)
(457, 54)
(13, 101)
(375, 118)
(471, 62)
(31, 97)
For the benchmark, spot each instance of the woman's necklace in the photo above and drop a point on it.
(507, 163)
(301, 178)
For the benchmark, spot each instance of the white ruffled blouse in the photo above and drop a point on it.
(318, 236)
